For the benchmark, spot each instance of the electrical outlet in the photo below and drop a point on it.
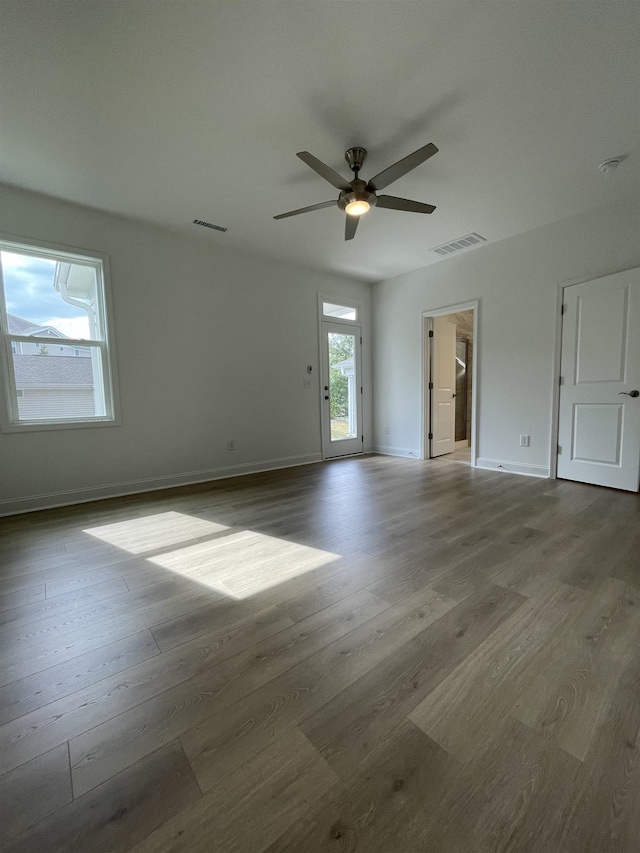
(386, 430)
(306, 383)
(525, 440)
(231, 445)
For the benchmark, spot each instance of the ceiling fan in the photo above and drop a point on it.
(358, 196)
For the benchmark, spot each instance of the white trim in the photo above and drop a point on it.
(339, 300)
(42, 248)
(99, 261)
(61, 342)
(43, 425)
(425, 371)
(384, 450)
(555, 384)
(33, 503)
(471, 305)
(513, 467)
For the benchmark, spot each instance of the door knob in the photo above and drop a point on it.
(326, 396)
(633, 393)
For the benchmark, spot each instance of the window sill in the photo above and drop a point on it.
(32, 426)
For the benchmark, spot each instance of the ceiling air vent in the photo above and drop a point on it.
(208, 225)
(466, 242)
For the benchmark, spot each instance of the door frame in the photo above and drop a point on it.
(425, 409)
(555, 389)
(557, 357)
(346, 324)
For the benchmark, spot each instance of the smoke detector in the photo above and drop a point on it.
(611, 165)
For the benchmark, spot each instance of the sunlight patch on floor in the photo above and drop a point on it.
(154, 532)
(236, 562)
(244, 563)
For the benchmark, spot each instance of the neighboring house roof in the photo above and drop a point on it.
(345, 366)
(19, 326)
(36, 371)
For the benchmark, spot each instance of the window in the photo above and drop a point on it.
(339, 312)
(54, 302)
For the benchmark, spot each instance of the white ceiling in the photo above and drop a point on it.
(176, 110)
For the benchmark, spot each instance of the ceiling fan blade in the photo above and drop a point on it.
(306, 209)
(324, 171)
(393, 203)
(350, 227)
(388, 176)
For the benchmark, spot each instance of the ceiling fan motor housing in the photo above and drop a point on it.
(359, 192)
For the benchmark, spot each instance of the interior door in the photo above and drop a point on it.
(599, 413)
(443, 388)
(341, 390)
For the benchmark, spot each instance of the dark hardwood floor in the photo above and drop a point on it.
(372, 654)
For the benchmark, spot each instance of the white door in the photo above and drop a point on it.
(341, 390)
(443, 388)
(599, 424)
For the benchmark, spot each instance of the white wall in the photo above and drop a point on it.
(211, 345)
(516, 282)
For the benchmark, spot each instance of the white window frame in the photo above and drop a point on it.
(9, 416)
(342, 301)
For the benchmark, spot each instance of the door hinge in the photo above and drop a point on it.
(363, 439)
(430, 333)
(431, 386)
(361, 389)
(561, 380)
(563, 308)
(558, 450)
(361, 340)
(430, 435)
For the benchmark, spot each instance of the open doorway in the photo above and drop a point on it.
(450, 356)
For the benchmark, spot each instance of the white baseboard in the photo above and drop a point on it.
(384, 450)
(133, 487)
(513, 467)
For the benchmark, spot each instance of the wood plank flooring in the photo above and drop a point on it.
(371, 654)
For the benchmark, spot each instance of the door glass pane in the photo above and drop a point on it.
(342, 386)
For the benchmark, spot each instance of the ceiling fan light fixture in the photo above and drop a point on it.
(357, 197)
(358, 201)
(357, 207)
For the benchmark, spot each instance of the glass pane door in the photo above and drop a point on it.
(342, 394)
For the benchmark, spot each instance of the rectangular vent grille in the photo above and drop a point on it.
(466, 242)
(208, 225)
